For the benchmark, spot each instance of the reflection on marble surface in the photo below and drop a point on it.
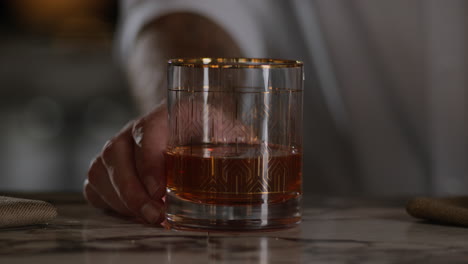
(328, 234)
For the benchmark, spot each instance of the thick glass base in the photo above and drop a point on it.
(184, 214)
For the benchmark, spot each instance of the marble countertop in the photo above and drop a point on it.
(332, 231)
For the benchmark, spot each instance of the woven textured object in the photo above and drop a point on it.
(453, 210)
(20, 212)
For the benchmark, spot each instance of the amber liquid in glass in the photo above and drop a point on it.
(234, 174)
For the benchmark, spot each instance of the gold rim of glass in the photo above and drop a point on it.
(235, 63)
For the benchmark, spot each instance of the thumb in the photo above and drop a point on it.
(150, 135)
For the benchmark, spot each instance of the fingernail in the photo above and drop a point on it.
(150, 213)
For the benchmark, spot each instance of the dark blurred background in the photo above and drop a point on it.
(62, 94)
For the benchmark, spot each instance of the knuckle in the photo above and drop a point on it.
(87, 193)
(93, 163)
(132, 200)
(138, 123)
(109, 149)
(86, 187)
(92, 177)
(93, 173)
(117, 144)
(137, 132)
(126, 194)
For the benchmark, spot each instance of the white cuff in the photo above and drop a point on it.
(233, 16)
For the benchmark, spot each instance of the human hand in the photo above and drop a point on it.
(128, 175)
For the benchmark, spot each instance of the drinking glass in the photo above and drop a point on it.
(234, 156)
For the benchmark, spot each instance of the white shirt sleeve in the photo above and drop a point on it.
(237, 18)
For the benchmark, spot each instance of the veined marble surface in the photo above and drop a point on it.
(332, 231)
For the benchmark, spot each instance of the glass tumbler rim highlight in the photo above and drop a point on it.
(262, 63)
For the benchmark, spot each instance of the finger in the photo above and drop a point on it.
(100, 182)
(150, 138)
(93, 197)
(216, 120)
(118, 158)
